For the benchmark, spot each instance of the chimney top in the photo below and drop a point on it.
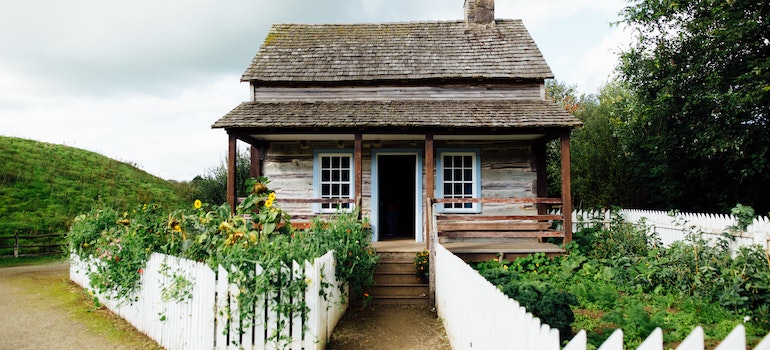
(479, 13)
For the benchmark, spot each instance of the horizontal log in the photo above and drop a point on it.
(498, 200)
(500, 234)
(492, 226)
(311, 200)
(465, 217)
(317, 200)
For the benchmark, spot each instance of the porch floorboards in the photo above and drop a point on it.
(476, 251)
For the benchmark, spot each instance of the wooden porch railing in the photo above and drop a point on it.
(460, 225)
(303, 221)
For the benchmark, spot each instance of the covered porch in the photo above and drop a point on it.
(475, 235)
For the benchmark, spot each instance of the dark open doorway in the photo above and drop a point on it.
(396, 194)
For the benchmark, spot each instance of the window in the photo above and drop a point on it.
(334, 179)
(459, 178)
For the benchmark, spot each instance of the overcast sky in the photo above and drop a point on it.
(142, 81)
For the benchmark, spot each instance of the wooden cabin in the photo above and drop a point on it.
(429, 127)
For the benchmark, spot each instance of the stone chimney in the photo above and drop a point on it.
(479, 13)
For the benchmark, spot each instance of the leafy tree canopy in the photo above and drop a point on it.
(701, 72)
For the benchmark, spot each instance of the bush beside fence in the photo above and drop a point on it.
(183, 304)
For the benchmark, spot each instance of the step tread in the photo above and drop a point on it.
(400, 296)
(401, 285)
(394, 272)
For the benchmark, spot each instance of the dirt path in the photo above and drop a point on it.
(41, 309)
(389, 327)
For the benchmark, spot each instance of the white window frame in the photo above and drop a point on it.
(319, 181)
(476, 180)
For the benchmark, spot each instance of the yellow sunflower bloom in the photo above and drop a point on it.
(197, 204)
(271, 196)
(268, 203)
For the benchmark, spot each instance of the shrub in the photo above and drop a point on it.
(259, 232)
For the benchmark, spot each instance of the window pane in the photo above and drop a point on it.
(468, 175)
(447, 174)
(335, 179)
(448, 161)
(448, 189)
(458, 189)
(467, 161)
(458, 175)
(468, 188)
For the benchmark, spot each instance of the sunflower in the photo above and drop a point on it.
(197, 204)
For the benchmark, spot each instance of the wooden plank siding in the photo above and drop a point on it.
(506, 172)
(385, 93)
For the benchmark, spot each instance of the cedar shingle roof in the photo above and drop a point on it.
(396, 51)
(466, 114)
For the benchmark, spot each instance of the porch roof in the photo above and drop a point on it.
(419, 114)
(334, 53)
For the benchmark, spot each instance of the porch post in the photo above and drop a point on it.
(255, 170)
(430, 186)
(231, 155)
(542, 174)
(358, 162)
(428, 227)
(566, 194)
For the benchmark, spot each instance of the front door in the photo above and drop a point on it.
(395, 186)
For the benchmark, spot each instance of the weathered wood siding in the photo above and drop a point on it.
(289, 166)
(439, 92)
(507, 171)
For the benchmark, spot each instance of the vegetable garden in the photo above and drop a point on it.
(622, 277)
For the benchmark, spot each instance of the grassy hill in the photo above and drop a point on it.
(43, 186)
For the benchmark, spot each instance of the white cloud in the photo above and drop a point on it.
(142, 81)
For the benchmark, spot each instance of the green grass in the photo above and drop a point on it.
(44, 186)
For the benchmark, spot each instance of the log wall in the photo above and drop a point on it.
(507, 171)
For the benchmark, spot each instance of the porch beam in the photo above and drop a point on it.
(566, 194)
(231, 155)
(359, 164)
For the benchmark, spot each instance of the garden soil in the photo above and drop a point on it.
(41, 309)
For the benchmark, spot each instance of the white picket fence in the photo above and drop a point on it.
(479, 316)
(675, 228)
(200, 319)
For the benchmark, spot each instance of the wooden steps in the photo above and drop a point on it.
(395, 281)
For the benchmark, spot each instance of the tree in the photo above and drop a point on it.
(701, 72)
(601, 174)
(212, 186)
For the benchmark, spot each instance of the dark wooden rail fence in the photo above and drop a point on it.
(32, 245)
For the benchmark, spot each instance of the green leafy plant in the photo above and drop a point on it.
(259, 232)
(422, 264)
(744, 214)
